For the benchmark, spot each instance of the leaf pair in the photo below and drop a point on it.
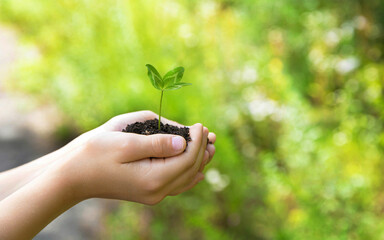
(169, 81)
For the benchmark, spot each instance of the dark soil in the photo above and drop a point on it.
(151, 127)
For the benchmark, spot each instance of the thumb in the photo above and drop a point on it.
(132, 147)
(157, 145)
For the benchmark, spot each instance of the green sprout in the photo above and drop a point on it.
(170, 81)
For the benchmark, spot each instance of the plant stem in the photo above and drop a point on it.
(161, 100)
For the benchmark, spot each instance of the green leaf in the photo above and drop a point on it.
(155, 77)
(173, 76)
(183, 84)
(172, 87)
(177, 86)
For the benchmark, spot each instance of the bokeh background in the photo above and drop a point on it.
(293, 90)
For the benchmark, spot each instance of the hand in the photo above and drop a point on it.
(108, 163)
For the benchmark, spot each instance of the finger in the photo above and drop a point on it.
(158, 145)
(185, 178)
(132, 147)
(119, 122)
(212, 137)
(198, 178)
(174, 166)
(200, 160)
(211, 149)
(205, 161)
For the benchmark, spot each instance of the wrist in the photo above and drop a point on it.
(56, 180)
(48, 195)
(66, 177)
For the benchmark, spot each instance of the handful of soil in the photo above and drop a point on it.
(150, 127)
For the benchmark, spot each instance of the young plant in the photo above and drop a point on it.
(170, 81)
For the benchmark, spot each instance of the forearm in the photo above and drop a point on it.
(27, 211)
(97, 164)
(14, 179)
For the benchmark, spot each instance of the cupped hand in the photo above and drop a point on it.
(108, 163)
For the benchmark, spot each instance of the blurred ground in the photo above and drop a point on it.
(25, 134)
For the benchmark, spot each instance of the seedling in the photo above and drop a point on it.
(170, 81)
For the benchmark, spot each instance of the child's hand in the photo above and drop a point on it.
(108, 163)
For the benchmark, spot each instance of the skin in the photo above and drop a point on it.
(101, 163)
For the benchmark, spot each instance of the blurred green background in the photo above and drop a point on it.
(293, 90)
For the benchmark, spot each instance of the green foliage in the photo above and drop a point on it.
(170, 81)
(293, 89)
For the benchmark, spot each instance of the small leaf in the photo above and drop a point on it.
(172, 87)
(155, 77)
(173, 76)
(177, 86)
(183, 84)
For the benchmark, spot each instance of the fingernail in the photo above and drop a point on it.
(178, 143)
